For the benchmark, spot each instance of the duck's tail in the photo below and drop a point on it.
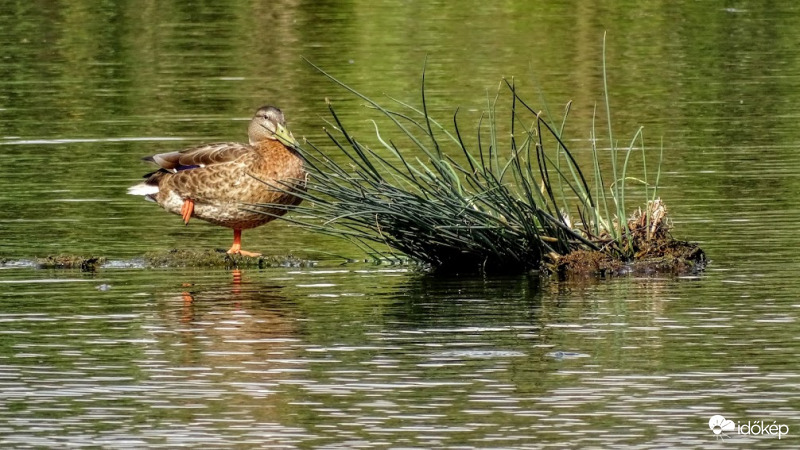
(148, 190)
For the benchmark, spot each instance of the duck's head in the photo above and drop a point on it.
(269, 123)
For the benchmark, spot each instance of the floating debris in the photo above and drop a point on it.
(567, 355)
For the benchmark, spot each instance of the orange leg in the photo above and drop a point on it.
(237, 245)
(187, 209)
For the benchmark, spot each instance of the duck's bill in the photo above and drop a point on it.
(285, 136)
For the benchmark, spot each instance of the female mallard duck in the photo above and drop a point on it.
(216, 182)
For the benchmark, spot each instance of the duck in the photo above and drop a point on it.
(221, 182)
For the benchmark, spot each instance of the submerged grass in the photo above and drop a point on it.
(495, 205)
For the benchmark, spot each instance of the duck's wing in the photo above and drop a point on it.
(199, 157)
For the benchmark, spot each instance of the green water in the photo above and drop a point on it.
(355, 355)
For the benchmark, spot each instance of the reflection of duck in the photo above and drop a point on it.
(230, 344)
(236, 285)
(233, 312)
(212, 182)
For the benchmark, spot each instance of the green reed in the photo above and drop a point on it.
(425, 193)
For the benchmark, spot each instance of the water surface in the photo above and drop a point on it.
(356, 355)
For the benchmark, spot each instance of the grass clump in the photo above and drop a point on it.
(494, 205)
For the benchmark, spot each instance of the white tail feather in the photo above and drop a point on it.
(143, 189)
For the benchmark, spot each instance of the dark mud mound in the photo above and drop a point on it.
(673, 257)
(221, 259)
(647, 238)
(86, 264)
(171, 258)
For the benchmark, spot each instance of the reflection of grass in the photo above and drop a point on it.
(497, 205)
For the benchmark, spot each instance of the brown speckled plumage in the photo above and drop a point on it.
(221, 179)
